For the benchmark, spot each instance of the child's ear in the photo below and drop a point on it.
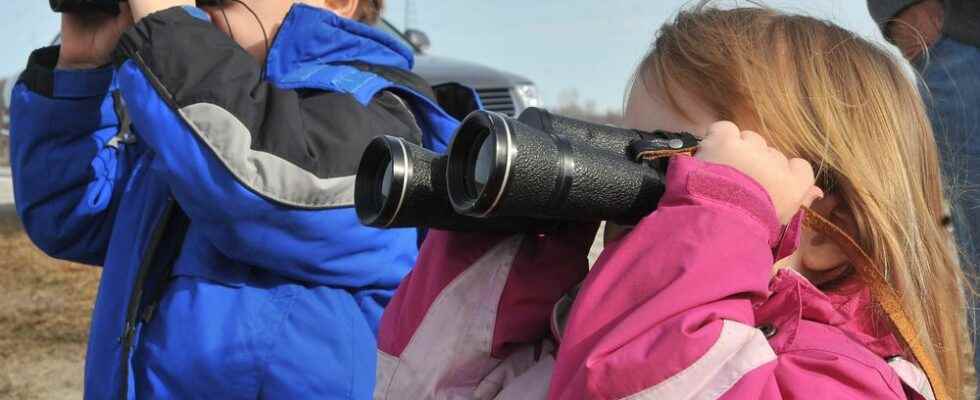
(343, 8)
(819, 254)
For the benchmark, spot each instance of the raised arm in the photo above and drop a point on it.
(70, 157)
(266, 173)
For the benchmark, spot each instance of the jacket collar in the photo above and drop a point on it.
(849, 307)
(314, 36)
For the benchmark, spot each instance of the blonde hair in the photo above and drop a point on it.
(819, 92)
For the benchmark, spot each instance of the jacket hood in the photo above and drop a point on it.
(315, 36)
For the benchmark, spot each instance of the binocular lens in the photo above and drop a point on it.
(478, 163)
(385, 168)
(386, 183)
(481, 168)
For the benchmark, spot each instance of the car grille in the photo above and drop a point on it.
(497, 99)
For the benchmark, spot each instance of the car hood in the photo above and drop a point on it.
(438, 70)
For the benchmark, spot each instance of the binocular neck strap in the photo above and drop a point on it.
(655, 149)
(883, 294)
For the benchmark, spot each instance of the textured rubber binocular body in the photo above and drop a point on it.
(531, 173)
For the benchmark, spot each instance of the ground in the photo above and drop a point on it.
(44, 317)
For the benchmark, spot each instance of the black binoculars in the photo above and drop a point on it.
(523, 174)
(107, 6)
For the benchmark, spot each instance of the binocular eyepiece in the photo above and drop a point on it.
(107, 6)
(524, 174)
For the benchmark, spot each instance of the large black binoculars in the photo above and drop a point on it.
(108, 6)
(506, 174)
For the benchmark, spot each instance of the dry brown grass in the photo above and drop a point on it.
(44, 317)
(4, 147)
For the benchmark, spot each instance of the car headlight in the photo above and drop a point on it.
(525, 96)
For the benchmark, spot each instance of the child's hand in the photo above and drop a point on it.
(88, 39)
(788, 182)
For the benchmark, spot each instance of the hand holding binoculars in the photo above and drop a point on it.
(523, 174)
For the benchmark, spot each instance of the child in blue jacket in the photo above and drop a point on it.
(205, 158)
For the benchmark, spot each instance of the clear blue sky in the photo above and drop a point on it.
(588, 46)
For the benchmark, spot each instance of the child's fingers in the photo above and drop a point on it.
(777, 156)
(802, 171)
(754, 139)
(813, 194)
(721, 130)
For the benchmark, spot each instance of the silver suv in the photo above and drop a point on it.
(499, 91)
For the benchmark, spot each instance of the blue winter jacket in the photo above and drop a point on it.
(272, 288)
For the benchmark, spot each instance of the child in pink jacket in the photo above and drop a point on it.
(719, 293)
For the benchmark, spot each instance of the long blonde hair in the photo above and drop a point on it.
(819, 92)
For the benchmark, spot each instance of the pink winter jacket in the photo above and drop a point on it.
(684, 307)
